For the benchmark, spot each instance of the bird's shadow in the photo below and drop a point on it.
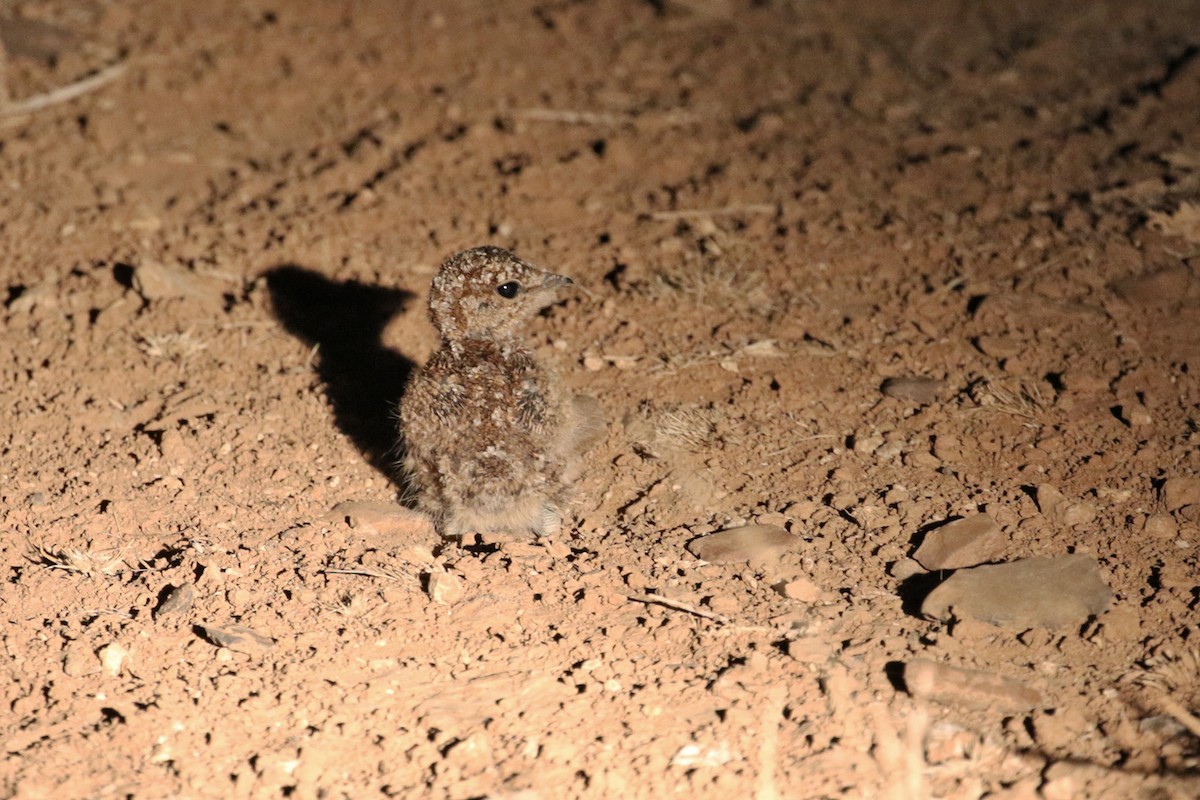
(363, 379)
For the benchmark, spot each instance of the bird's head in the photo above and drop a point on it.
(487, 292)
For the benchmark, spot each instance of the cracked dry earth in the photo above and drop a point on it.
(215, 263)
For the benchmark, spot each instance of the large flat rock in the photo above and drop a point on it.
(1045, 592)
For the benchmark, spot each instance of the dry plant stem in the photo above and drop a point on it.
(369, 573)
(678, 606)
(63, 93)
(573, 117)
(723, 211)
(604, 119)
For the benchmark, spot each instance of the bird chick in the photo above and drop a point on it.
(492, 439)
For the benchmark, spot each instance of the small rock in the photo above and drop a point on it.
(1180, 492)
(237, 638)
(998, 346)
(1136, 416)
(416, 554)
(112, 658)
(178, 600)
(867, 444)
(1050, 592)
(1079, 513)
(914, 388)
(1049, 499)
(445, 588)
(961, 543)
(744, 543)
(1161, 526)
(905, 568)
(156, 281)
(811, 650)
(691, 756)
(801, 589)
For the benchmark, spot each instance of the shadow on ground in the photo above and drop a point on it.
(364, 379)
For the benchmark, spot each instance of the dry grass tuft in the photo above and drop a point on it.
(715, 273)
(1021, 399)
(174, 347)
(88, 562)
(1169, 683)
(678, 428)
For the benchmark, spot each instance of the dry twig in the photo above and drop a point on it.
(62, 94)
(657, 599)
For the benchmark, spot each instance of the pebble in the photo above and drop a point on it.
(801, 589)
(914, 388)
(811, 649)
(744, 543)
(1049, 499)
(237, 638)
(445, 588)
(1180, 492)
(178, 600)
(1080, 513)
(905, 568)
(1136, 416)
(1048, 592)
(154, 280)
(112, 658)
(998, 346)
(1161, 526)
(961, 543)
(691, 756)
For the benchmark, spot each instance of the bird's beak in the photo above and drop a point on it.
(553, 281)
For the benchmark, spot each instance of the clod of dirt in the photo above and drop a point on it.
(744, 543)
(178, 600)
(914, 388)
(1046, 592)
(1162, 288)
(237, 638)
(1180, 492)
(961, 543)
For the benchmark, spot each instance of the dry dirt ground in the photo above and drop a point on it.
(215, 259)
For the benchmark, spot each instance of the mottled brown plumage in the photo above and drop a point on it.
(492, 438)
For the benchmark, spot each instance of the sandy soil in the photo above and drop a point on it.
(213, 281)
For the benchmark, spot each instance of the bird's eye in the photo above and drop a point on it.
(508, 290)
